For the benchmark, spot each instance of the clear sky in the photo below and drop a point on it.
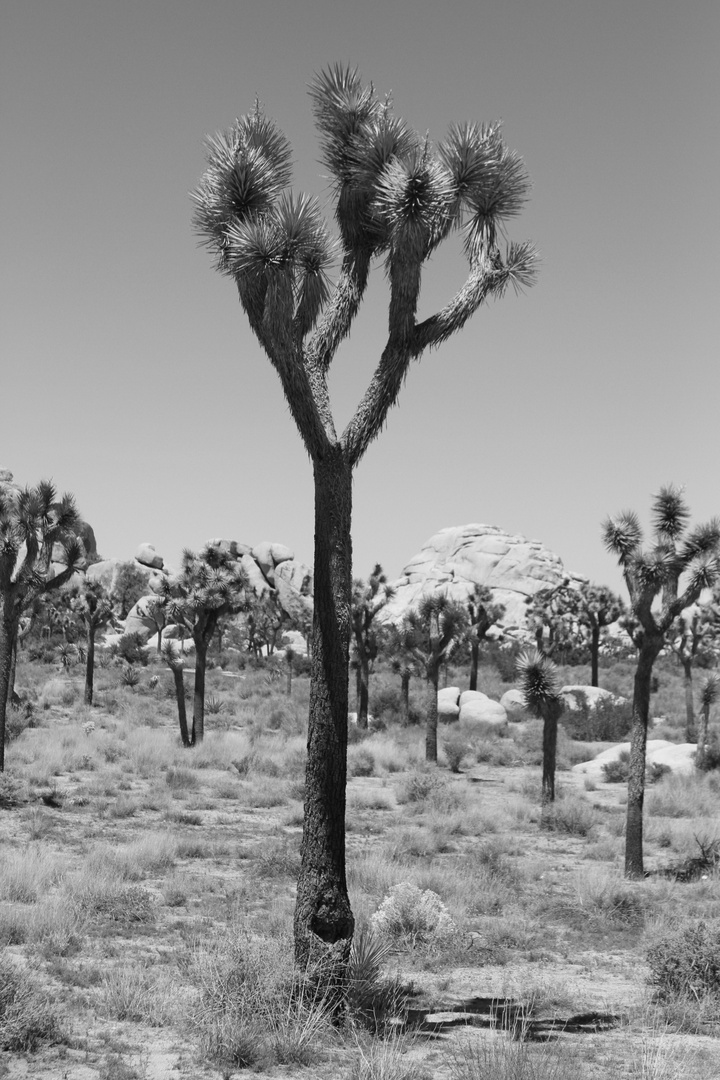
(129, 375)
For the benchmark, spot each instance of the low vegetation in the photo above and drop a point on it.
(147, 893)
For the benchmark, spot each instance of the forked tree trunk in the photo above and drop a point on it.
(324, 921)
(90, 665)
(474, 656)
(594, 655)
(8, 632)
(431, 709)
(686, 662)
(649, 650)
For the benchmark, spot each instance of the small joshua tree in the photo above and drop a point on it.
(436, 626)
(661, 583)
(31, 523)
(208, 586)
(709, 694)
(400, 646)
(368, 598)
(693, 633)
(482, 613)
(540, 687)
(94, 606)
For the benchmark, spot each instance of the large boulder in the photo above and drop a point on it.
(578, 696)
(146, 555)
(140, 620)
(678, 757)
(448, 703)
(456, 559)
(513, 702)
(478, 708)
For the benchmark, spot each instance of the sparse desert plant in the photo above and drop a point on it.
(572, 815)
(411, 917)
(361, 762)
(386, 1059)
(686, 961)
(616, 771)
(455, 750)
(505, 1058)
(27, 1017)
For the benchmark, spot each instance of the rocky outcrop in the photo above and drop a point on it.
(146, 555)
(678, 757)
(454, 560)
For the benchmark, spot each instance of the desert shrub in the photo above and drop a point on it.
(57, 692)
(408, 916)
(360, 761)
(131, 648)
(711, 758)
(179, 779)
(27, 1018)
(455, 750)
(13, 791)
(128, 904)
(373, 997)
(18, 719)
(686, 961)
(616, 772)
(572, 815)
(214, 705)
(609, 720)
(419, 786)
(129, 676)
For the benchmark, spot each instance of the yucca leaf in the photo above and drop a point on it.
(622, 535)
(670, 512)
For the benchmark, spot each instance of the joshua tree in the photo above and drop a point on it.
(94, 607)
(31, 523)
(693, 633)
(709, 694)
(550, 617)
(208, 586)
(368, 598)
(482, 613)
(175, 662)
(540, 687)
(397, 197)
(399, 644)
(653, 580)
(435, 627)
(129, 586)
(596, 607)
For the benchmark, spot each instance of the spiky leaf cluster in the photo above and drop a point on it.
(539, 682)
(675, 570)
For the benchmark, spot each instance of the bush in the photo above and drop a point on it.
(408, 916)
(13, 791)
(616, 772)
(131, 649)
(608, 721)
(711, 759)
(455, 750)
(360, 762)
(572, 815)
(686, 962)
(26, 1015)
(504, 659)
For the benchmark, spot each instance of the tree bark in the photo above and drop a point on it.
(198, 721)
(432, 680)
(686, 662)
(8, 632)
(324, 921)
(90, 665)
(177, 673)
(594, 655)
(474, 656)
(649, 649)
(405, 697)
(550, 726)
(364, 687)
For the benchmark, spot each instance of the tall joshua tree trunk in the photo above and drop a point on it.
(594, 655)
(405, 697)
(687, 666)
(323, 908)
(198, 723)
(8, 633)
(474, 657)
(431, 709)
(649, 650)
(90, 665)
(364, 690)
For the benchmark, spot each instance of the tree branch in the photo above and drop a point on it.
(486, 276)
(340, 311)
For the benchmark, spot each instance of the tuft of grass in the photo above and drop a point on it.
(27, 1017)
(572, 815)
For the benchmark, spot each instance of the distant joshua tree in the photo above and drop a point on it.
(396, 199)
(657, 598)
(208, 586)
(482, 613)
(540, 687)
(94, 607)
(31, 523)
(368, 599)
(709, 694)
(435, 628)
